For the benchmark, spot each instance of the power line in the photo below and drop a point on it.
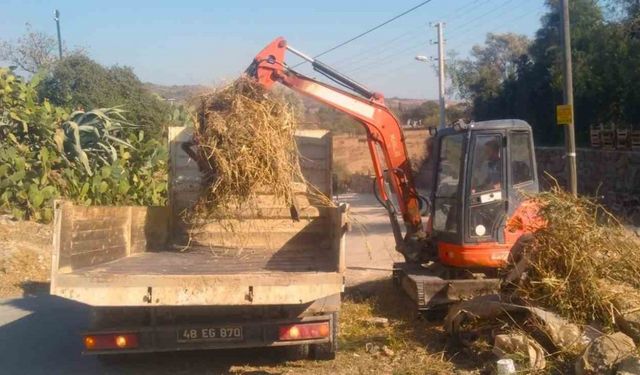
(465, 26)
(377, 46)
(381, 46)
(393, 73)
(387, 57)
(503, 25)
(460, 17)
(455, 11)
(465, 31)
(373, 59)
(370, 30)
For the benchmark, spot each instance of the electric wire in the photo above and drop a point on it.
(379, 63)
(466, 25)
(461, 17)
(407, 33)
(425, 2)
(387, 57)
(367, 50)
(460, 43)
(374, 60)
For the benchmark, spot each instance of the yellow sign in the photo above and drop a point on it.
(564, 114)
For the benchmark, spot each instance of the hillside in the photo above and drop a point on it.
(180, 93)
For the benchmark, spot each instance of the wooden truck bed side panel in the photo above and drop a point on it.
(85, 236)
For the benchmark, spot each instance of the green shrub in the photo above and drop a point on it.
(93, 157)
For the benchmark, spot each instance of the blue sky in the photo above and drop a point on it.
(208, 42)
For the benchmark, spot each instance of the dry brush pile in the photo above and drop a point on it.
(246, 146)
(583, 261)
(576, 309)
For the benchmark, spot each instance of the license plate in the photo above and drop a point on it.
(210, 334)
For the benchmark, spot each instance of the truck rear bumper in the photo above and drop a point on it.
(265, 333)
(197, 290)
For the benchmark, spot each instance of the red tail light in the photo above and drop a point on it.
(111, 341)
(304, 331)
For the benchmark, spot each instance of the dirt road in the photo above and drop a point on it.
(39, 334)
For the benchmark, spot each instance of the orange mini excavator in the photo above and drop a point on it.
(474, 211)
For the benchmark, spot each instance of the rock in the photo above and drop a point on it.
(482, 307)
(627, 310)
(378, 322)
(371, 348)
(505, 366)
(629, 323)
(563, 334)
(602, 355)
(388, 352)
(8, 219)
(629, 366)
(507, 345)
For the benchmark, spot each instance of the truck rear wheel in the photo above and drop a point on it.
(327, 351)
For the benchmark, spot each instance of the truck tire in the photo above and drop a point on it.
(327, 351)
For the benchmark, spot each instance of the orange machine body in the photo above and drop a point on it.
(391, 162)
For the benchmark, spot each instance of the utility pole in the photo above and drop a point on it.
(569, 132)
(56, 17)
(443, 120)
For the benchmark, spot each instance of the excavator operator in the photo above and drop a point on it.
(489, 175)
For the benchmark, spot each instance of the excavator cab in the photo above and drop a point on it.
(482, 173)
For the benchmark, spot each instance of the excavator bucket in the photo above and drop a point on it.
(269, 63)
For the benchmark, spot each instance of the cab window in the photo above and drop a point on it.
(521, 165)
(486, 207)
(448, 184)
(487, 164)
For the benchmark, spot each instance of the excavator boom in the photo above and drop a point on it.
(384, 134)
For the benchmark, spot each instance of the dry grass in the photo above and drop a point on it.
(246, 139)
(581, 260)
(418, 346)
(21, 269)
(25, 256)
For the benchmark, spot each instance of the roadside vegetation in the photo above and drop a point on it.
(72, 128)
(513, 76)
(91, 157)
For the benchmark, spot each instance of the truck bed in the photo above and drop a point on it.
(127, 256)
(201, 260)
(142, 256)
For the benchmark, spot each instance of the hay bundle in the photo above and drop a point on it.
(245, 139)
(582, 260)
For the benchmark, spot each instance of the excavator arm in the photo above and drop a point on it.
(384, 135)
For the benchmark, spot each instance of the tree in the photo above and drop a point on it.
(92, 157)
(605, 54)
(426, 112)
(33, 51)
(79, 82)
(490, 65)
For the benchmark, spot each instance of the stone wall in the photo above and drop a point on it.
(613, 176)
